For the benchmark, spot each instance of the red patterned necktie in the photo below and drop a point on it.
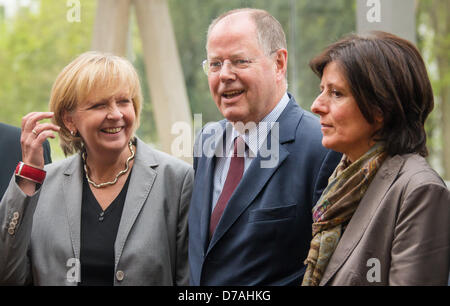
(234, 176)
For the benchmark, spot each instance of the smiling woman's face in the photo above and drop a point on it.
(105, 120)
(344, 127)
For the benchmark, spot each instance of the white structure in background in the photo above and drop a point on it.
(163, 67)
(12, 6)
(397, 17)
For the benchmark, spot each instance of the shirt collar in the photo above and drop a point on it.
(251, 138)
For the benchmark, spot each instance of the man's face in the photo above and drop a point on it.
(243, 93)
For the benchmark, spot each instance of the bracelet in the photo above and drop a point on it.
(30, 173)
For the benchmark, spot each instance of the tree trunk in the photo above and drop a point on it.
(445, 120)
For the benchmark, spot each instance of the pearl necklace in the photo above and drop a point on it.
(83, 155)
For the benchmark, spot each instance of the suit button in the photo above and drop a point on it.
(12, 225)
(16, 215)
(120, 275)
(11, 231)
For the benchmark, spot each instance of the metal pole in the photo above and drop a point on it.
(394, 16)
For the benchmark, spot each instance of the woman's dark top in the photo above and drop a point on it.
(98, 234)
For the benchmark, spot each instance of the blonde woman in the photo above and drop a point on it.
(115, 213)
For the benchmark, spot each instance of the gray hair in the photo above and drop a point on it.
(269, 31)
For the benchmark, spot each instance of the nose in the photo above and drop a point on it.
(319, 106)
(227, 72)
(114, 113)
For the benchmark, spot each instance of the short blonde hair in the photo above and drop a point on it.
(89, 71)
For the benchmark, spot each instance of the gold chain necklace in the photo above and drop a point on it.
(83, 155)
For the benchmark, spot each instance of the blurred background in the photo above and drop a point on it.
(37, 39)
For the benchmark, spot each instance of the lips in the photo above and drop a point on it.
(232, 93)
(112, 130)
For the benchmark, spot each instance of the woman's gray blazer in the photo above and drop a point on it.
(40, 235)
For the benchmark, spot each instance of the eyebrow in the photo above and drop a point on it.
(238, 54)
(331, 84)
(116, 96)
(122, 97)
(93, 102)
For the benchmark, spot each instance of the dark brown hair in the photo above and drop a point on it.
(387, 76)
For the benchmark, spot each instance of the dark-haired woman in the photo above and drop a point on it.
(384, 217)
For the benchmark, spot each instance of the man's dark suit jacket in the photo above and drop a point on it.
(265, 231)
(11, 154)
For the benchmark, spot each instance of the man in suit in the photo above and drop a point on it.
(11, 153)
(259, 172)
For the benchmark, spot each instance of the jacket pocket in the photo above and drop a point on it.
(272, 214)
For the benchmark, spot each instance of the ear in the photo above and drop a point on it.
(67, 118)
(281, 63)
(379, 119)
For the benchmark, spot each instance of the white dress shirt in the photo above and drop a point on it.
(254, 138)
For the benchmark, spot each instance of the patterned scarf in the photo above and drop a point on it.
(346, 187)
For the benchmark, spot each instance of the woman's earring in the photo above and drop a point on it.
(72, 133)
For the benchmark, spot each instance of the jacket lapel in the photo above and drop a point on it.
(72, 191)
(363, 214)
(142, 178)
(206, 199)
(256, 177)
(252, 183)
(213, 145)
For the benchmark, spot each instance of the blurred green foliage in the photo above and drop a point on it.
(35, 46)
(433, 19)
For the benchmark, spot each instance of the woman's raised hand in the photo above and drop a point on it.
(33, 136)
